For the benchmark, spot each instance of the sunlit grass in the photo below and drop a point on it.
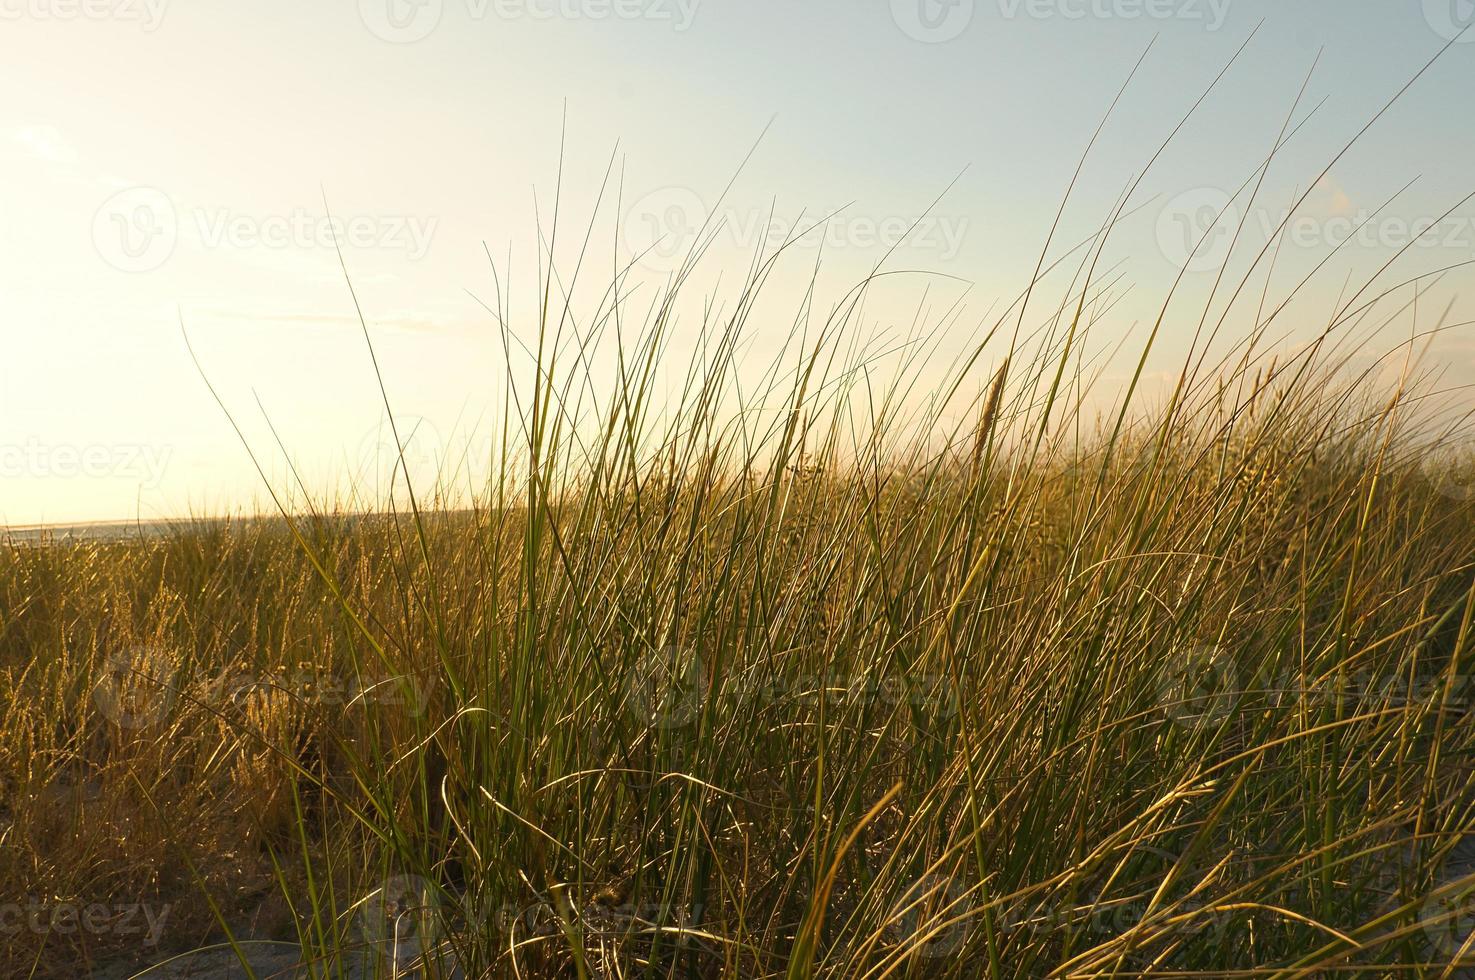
(853, 672)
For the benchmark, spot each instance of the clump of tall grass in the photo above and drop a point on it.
(834, 675)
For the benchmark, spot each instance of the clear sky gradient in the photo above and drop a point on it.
(164, 158)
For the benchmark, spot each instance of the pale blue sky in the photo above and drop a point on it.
(230, 116)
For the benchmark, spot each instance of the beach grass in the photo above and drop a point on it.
(850, 671)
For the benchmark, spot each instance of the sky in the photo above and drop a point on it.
(169, 170)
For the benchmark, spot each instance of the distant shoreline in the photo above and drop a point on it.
(99, 530)
(122, 530)
(138, 530)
